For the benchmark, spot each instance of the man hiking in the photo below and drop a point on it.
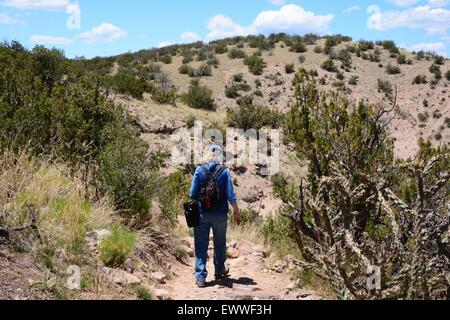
(212, 186)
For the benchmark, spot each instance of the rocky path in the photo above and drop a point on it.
(250, 278)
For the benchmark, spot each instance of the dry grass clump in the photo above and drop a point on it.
(63, 213)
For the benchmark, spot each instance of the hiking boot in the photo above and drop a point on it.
(223, 275)
(201, 284)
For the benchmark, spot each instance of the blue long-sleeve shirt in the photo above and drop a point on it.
(225, 183)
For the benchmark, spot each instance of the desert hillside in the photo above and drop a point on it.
(360, 70)
(91, 205)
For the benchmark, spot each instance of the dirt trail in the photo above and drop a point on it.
(250, 278)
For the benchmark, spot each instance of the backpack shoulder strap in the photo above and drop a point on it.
(219, 172)
(209, 174)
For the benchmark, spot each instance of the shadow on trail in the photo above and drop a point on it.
(230, 282)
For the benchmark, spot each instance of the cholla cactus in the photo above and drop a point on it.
(360, 210)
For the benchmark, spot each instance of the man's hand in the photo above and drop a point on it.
(237, 215)
(237, 218)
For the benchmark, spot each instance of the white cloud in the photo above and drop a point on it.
(277, 2)
(437, 47)
(433, 20)
(49, 40)
(45, 5)
(352, 9)
(289, 18)
(6, 19)
(104, 33)
(221, 26)
(403, 3)
(164, 44)
(190, 37)
(438, 3)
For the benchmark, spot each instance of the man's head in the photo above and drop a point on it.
(213, 154)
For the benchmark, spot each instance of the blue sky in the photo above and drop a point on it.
(104, 27)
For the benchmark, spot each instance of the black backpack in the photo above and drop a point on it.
(210, 195)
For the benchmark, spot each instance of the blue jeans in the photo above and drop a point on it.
(218, 224)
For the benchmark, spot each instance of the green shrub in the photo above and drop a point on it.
(202, 71)
(164, 95)
(447, 75)
(365, 45)
(278, 233)
(221, 48)
(301, 58)
(239, 77)
(186, 69)
(166, 59)
(391, 69)
(118, 247)
(213, 61)
(260, 43)
(199, 97)
(249, 116)
(420, 79)
(48, 64)
(330, 43)
(127, 84)
(258, 93)
(248, 218)
(318, 49)
(437, 114)
(384, 86)
(204, 54)
(123, 173)
(289, 68)
(401, 59)
(236, 54)
(345, 57)
(299, 47)
(283, 189)
(190, 121)
(231, 91)
(439, 60)
(172, 192)
(329, 65)
(143, 294)
(438, 136)
(255, 64)
(390, 46)
(188, 56)
(447, 122)
(423, 117)
(353, 81)
(436, 70)
(245, 100)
